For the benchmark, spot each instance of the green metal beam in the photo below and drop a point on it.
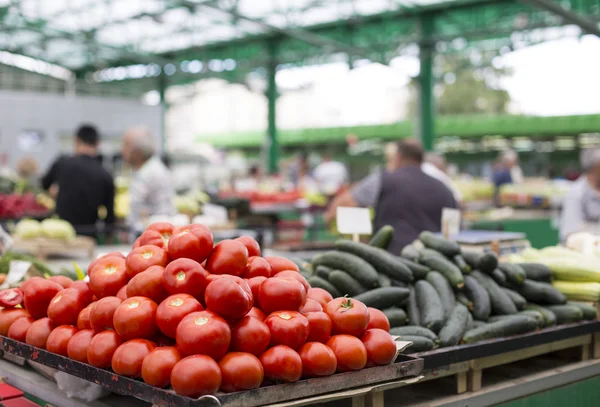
(426, 109)
(272, 143)
(568, 16)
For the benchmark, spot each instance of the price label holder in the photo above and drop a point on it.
(450, 222)
(354, 221)
(16, 271)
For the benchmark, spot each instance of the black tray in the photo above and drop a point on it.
(405, 367)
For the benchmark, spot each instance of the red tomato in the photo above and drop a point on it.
(203, 333)
(350, 352)
(240, 371)
(38, 332)
(65, 281)
(251, 245)
(11, 297)
(348, 316)
(102, 347)
(127, 359)
(279, 264)
(84, 289)
(108, 276)
(135, 318)
(290, 274)
(250, 335)
(254, 284)
(311, 306)
(102, 313)
(256, 313)
(228, 257)
(288, 328)
(153, 238)
(164, 228)
(257, 267)
(66, 306)
(144, 257)
(279, 294)
(104, 256)
(157, 366)
(196, 376)
(59, 338)
(29, 281)
(192, 242)
(79, 344)
(37, 296)
(282, 363)
(320, 327)
(377, 319)
(172, 310)
(381, 348)
(148, 283)
(319, 295)
(122, 294)
(229, 297)
(18, 329)
(317, 360)
(185, 276)
(83, 319)
(8, 316)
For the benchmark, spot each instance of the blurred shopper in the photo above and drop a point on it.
(330, 175)
(81, 184)
(435, 166)
(581, 206)
(151, 189)
(511, 161)
(406, 197)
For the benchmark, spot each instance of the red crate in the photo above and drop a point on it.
(18, 402)
(8, 392)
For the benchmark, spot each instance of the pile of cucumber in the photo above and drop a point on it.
(435, 294)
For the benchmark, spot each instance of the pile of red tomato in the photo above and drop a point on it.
(180, 311)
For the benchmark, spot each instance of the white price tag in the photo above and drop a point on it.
(16, 271)
(5, 241)
(450, 222)
(217, 213)
(354, 221)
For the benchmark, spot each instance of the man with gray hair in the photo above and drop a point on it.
(581, 206)
(151, 188)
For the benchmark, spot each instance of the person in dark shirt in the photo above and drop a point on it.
(82, 185)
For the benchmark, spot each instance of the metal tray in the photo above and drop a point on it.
(405, 367)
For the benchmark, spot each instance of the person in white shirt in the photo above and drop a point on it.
(330, 175)
(511, 159)
(435, 166)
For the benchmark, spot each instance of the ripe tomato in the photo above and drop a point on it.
(144, 257)
(192, 242)
(229, 297)
(18, 329)
(8, 316)
(65, 281)
(350, 352)
(279, 294)
(84, 288)
(381, 348)
(196, 376)
(108, 276)
(79, 344)
(257, 266)
(66, 306)
(250, 335)
(290, 274)
(164, 228)
(38, 332)
(320, 327)
(279, 264)
(256, 313)
(104, 256)
(185, 276)
(102, 347)
(135, 318)
(377, 319)
(348, 316)
(83, 319)
(319, 295)
(288, 328)
(254, 284)
(251, 245)
(172, 310)
(311, 306)
(37, 296)
(59, 338)
(282, 363)
(29, 281)
(317, 360)
(127, 359)
(203, 333)
(228, 257)
(240, 371)
(11, 298)
(102, 313)
(148, 283)
(153, 238)
(157, 366)
(122, 293)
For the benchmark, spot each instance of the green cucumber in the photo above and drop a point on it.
(566, 313)
(384, 281)
(396, 283)
(513, 325)
(455, 327)
(413, 330)
(382, 237)
(549, 317)
(430, 306)
(498, 277)
(318, 282)
(482, 307)
(515, 275)
(589, 311)
(420, 343)
(517, 298)
(447, 247)
(419, 271)
(396, 316)
(537, 272)
(444, 290)
(409, 252)
(485, 262)
(541, 293)
(323, 272)
(536, 315)
(500, 301)
(446, 267)
(461, 264)
(345, 283)
(385, 297)
(462, 298)
(427, 252)
(476, 324)
(412, 308)
(358, 268)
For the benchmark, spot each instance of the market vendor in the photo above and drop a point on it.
(403, 196)
(581, 206)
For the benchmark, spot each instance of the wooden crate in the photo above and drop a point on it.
(42, 247)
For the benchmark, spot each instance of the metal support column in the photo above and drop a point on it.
(162, 88)
(271, 142)
(426, 119)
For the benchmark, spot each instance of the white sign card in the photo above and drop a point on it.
(354, 221)
(450, 222)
